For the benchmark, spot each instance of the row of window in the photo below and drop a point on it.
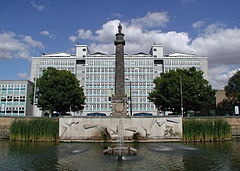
(12, 111)
(187, 62)
(111, 62)
(10, 108)
(111, 78)
(167, 69)
(11, 103)
(101, 63)
(71, 69)
(13, 86)
(13, 98)
(107, 92)
(58, 62)
(13, 91)
(112, 70)
(108, 85)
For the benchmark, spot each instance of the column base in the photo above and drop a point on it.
(119, 109)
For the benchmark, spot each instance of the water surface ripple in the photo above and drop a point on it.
(89, 156)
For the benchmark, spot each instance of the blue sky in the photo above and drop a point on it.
(205, 27)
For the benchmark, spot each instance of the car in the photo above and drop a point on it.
(142, 114)
(96, 114)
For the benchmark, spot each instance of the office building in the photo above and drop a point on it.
(15, 98)
(96, 73)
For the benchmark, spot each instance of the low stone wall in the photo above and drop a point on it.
(234, 122)
(110, 129)
(69, 127)
(5, 123)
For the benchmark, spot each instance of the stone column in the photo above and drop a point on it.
(119, 106)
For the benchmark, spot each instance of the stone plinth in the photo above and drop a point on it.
(119, 109)
(107, 129)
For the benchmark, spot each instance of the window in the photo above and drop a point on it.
(82, 62)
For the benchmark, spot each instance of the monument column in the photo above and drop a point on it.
(119, 106)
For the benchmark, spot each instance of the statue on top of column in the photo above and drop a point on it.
(119, 28)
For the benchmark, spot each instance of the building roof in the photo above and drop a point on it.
(58, 54)
(141, 53)
(177, 54)
(98, 54)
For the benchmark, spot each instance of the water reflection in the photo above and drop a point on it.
(89, 156)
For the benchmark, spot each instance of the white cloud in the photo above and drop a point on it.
(213, 28)
(22, 75)
(221, 47)
(38, 6)
(81, 34)
(46, 33)
(198, 24)
(220, 44)
(107, 32)
(17, 46)
(219, 75)
(152, 19)
(31, 42)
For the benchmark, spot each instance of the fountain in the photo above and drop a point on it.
(120, 150)
(156, 128)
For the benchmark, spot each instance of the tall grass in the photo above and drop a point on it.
(37, 129)
(206, 130)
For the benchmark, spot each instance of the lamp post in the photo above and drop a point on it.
(130, 96)
(34, 96)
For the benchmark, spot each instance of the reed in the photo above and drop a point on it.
(206, 130)
(36, 129)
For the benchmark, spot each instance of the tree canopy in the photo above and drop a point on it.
(59, 90)
(197, 94)
(233, 88)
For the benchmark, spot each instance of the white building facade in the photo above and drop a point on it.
(15, 98)
(96, 74)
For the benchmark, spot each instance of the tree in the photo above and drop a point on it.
(233, 88)
(59, 90)
(225, 107)
(197, 94)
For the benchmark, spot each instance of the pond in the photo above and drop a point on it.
(89, 156)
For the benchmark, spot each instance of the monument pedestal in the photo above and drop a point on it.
(119, 109)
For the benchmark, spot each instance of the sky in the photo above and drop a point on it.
(208, 28)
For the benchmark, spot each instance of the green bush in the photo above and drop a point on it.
(37, 129)
(206, 130)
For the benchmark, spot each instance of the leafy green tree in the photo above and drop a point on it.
(233, 88)
(225, 107)
(59, 90)
(197, 94)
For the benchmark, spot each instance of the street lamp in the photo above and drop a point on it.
(181, 94)
(34, 96)
(130, 98)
